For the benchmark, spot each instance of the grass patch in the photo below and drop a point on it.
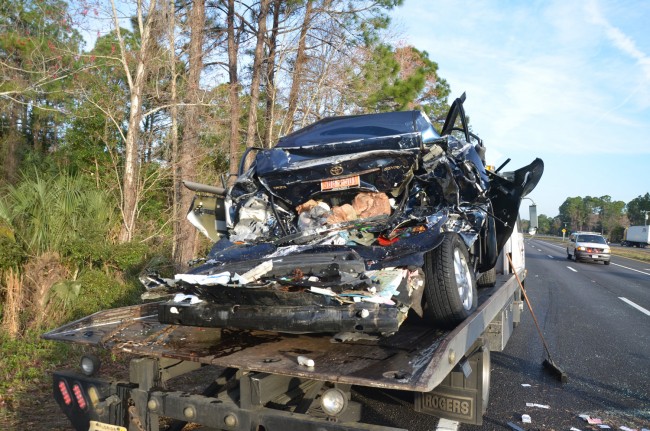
(26, 364)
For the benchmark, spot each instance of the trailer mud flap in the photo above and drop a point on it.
(463, 395)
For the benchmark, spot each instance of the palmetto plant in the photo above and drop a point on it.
(46, 211)
(44, 214)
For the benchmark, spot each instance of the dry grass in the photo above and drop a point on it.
(41, 274)
(13, 303)
(27, 296)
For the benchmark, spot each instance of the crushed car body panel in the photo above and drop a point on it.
(329, 230)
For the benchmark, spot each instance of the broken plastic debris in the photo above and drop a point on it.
(389, 280)
(526, 385)
(603, 426)
(590, 420)
(541, 406)
(364, 313)
(256, 273)
(575, 429)
(305, 361)
(525, 419)
(222, 278)
(377, 300)
(173, 310)
(321, 291)
(181, 297)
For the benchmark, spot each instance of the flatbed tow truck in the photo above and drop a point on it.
(272, 381)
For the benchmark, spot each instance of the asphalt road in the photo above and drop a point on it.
(596, 321)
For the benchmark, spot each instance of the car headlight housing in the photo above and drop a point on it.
(581, 248)
(606, 250)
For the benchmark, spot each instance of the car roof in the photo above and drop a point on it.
(360, 127)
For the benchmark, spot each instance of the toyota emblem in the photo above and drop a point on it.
(336, 170)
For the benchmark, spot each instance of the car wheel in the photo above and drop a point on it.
(575, 257)
(568, 255)
(606, 262)
(450, 294)
(487, 279)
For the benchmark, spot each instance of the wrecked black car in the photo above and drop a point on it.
(350, 225)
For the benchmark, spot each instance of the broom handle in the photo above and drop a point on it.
(523, 291)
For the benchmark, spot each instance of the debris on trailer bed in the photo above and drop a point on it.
(347, 225)
(417, 357)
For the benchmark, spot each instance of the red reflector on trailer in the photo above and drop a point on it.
(79, 396)
(63, 388)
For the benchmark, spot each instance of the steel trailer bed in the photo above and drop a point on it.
(415, 358)
(437, 365)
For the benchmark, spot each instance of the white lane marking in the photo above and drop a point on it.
(447, 425)
(550, 256)
(574, 270)
(638, 307)
(631, 269)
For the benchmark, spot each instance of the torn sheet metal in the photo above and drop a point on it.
(332, 226)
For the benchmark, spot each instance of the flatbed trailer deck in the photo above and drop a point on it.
(417, 358)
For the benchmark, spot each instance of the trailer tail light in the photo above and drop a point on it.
(79, 396)
(63, 388)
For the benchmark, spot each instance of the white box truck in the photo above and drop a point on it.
(636, 236)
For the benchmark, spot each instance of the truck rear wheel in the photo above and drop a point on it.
(450, 294)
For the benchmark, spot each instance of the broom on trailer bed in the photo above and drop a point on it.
(548, 363)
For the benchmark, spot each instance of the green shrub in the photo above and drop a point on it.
(82, 252)
(100, 291)
(11, 254)
(129, 256)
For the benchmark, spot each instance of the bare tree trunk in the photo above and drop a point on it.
(270, 76)
(186, 238)
(299, 65)
(257, 66)
(177, 211)
(233, 48)
(131, 182)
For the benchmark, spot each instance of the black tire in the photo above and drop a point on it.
(487, 279)
(575, 257)
(568, 255)
(606, 262)
(450, 294)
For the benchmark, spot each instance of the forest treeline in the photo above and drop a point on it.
(596, 214)
(106, 107)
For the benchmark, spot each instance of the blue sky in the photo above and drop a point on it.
(568, 82)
